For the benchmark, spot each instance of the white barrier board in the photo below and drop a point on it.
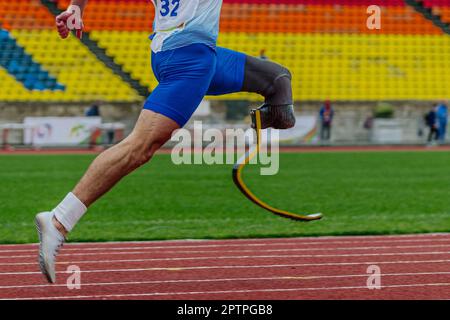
(58, 131)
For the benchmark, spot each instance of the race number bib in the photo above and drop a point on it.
(172, 14)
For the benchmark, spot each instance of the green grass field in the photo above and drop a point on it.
(359, 193)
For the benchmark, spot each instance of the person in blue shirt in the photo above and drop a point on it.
(188, 65)
(442, 119)
(93, 111)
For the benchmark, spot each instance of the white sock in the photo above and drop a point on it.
(69, 211)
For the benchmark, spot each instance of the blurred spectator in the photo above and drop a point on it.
(368, 123)
(326, 119)
(442, 119)
(432, 124)
(93, 111)
(262, 54)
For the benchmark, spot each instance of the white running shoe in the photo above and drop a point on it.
(51, 240)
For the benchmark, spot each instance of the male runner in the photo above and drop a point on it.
(188, 66)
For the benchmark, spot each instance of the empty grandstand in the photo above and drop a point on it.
(325, 43)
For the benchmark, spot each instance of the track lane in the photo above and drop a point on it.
(93, 264)
(413, 267)
(184, 244)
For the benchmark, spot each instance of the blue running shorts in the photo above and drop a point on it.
(187, 74)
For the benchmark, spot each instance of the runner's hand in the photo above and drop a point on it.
(62, 24)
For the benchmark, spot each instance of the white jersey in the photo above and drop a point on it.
(179, 23)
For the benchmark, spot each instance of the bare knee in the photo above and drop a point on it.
(137, 152)
(140, 155)
(152, 130)
(142, 152)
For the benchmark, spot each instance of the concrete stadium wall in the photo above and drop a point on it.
(348, 126)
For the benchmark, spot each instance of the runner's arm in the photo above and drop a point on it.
(61, 19)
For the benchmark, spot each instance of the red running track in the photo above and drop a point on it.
(412, 267)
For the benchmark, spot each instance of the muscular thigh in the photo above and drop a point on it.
(229, 72)
(184, 77)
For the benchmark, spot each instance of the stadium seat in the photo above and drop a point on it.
(38, 66)
(325, 43)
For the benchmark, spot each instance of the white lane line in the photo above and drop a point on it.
(182, 268)
(261, 241)
(70, 247)
(278, 278)
(240, 257)
(232, 251)
(413, 285)
(367, 237)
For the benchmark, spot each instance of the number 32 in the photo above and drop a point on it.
(165, 7)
